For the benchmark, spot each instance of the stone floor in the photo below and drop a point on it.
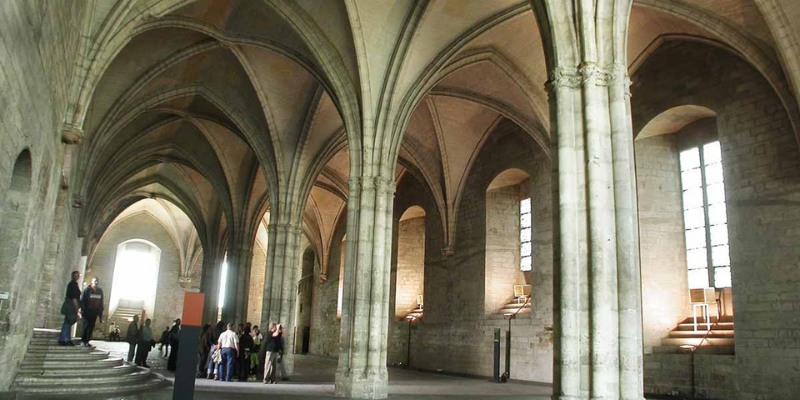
(314, 376)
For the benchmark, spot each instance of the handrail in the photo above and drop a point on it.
(514, 314)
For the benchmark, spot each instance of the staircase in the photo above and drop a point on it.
(513, 305)
(53, 371)
(414, 314)
(122, 317)
(719, 340)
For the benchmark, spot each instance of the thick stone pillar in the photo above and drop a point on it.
(362, 369)
(280, 286)
(236, 288)
(598, 288)
(209, 284)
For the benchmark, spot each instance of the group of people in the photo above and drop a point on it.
(140, 341)
(86, 305)
(225, 353)
(243, 353)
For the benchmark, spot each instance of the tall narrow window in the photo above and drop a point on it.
(705, 219)
(525, 236)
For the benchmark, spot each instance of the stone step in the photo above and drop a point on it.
(105, 390)
(720, 350)
(74, 356)
(56, 348)
(688, 326)
(702, 333)
(697, 341)
(35, 381)
(96, 364)
(72, 373)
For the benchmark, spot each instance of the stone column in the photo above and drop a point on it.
(362, 369)
(209, 284)
(280, 287)
(598, 288)
(236, 290)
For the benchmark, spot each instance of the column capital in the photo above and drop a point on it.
(71, 134)
(589, 73)
(285, 227)
(377, 183)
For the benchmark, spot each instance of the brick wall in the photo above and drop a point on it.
(762, 179)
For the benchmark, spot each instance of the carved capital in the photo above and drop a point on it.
(71, 134)
(592, 74)
(563, 78)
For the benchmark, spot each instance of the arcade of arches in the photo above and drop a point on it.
(394, 180)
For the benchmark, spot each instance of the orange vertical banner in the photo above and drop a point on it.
(193, 309)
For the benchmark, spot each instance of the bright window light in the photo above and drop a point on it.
(704, 217)
(223, 281)
(525, 235)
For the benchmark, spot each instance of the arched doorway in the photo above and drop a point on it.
(12, 227)
(135, 276)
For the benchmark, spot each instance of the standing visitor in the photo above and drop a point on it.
(132, 337)
(256, 351)
(229, 344)
(92, 300)
(145, 343)
(174, 338)
(164, 340)
(71, 310)
(273, 347)
(206, 338)
(245, 347)
(281, 364)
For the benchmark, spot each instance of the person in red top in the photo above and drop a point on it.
(92, 301)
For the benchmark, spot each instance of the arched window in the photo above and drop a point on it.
(705, 219)
(509, 240)
(340, 294)
(135, 276)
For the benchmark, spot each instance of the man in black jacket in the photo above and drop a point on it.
(71, 309)
(92, 300)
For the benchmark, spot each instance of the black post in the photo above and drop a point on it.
(408, 345)
(187, 363)
(496, 370)
(508, 351)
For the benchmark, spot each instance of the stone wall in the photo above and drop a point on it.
(662, 245)
(258, 268)
(169, 294)
(671, 374)
(455, 314)
(761, 167)
(410, 265)
(325, 324)
(502, 246)
(39, 44)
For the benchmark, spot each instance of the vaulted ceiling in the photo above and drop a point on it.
(228, 108)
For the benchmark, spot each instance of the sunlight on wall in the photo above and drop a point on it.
(135, 275)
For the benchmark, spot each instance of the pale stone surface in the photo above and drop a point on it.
(227, 109)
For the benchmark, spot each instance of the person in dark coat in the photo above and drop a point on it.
(245, 347)
(164, 341)
(92, 300)
(132, 337)
(174, 337)
(71, 309)
(206, 340)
